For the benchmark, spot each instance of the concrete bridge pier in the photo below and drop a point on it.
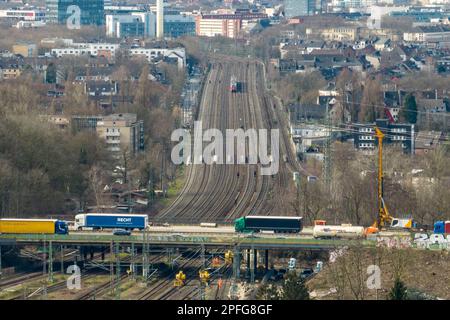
(266, 260)
(236, 263)
(248, 262)
(254, 265)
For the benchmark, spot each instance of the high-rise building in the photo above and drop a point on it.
(225, 25)
(160, 19)
(179, 25)
(123, 26)
(91, 11)
(296, 8)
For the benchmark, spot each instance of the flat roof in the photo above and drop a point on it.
(114, 214)
(275, 217)
(41, 220)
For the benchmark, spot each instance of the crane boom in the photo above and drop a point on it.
(384, 218)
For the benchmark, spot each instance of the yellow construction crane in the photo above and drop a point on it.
(384, 219)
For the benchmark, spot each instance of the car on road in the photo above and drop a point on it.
(121, 232)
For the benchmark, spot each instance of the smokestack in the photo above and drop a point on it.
(160, 19)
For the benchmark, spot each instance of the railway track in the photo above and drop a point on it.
(221, 192)
(163, 287)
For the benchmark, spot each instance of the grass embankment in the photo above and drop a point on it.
(424, 272)
(174, 187)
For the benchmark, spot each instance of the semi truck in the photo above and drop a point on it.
(99, 221)
(33, 226)
(268, 223)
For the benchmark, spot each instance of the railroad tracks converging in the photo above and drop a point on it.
(221, 192)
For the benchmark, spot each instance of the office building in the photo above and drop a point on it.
(296, 8)
(179, 25)
(92, 11)
(124, 26)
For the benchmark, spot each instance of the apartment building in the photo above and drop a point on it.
(395, 133)
(428, 34)
(25, 50)
(334, 34)
(23, 14)
(122, 133)
(9, 71)
(91, 49)
(152, 53)
(225, 25)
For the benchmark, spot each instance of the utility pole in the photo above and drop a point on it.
(132, 265)
(50, 262)
(163, 166)
(145, 258)
(44, 271)
(111, 267)
(117, 287)
(328, 160)
(62, 259)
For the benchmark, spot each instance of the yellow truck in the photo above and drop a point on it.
(33, 226)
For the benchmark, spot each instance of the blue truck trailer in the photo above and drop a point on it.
(98, 221)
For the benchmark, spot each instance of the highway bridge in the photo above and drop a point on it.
(142, 243)
(186, 240)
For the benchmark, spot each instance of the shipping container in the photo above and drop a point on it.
(33, 226)
(267, 223)
(447, 227)
(111, 221)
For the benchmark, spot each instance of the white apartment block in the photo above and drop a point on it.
(428, 34)
(80, 49)
(153, 53)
